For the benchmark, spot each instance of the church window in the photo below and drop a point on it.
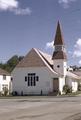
(31, 79)
(25, 78)
(4, 77)
(37, 78)
(11, 78)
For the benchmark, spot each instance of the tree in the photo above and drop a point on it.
(11, 63)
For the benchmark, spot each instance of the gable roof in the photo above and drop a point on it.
(47, 57)
(58, 36)
(3, 72)
(36, 58)
(32, 59)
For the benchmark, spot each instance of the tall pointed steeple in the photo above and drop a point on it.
(58, 37)
(59, 52)
(59, 55)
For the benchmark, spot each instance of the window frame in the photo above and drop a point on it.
(4, 77)
(31, 79)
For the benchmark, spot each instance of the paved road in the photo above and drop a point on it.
(41, 108)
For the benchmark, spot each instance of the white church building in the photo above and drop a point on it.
(40, 73)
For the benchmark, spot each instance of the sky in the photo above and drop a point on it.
(26, 24)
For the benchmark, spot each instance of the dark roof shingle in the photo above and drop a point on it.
(59, 55)
(32, 59)
(3, 72)
(58, 36)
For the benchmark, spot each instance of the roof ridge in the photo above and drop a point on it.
(38, 52)
(44, 52)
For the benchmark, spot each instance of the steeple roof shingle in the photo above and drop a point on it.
(58, 36)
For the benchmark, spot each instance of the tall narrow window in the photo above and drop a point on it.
(11, 78)
(25, 78)
(31, 81)
(37, 78)
(34, 82)
(28, 81)
(4, 77)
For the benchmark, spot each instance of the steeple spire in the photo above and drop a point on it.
(59, 52)
(58, 36)
(59, 55)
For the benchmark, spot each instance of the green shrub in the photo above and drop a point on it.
(15, 93)
(67, 89)
(5, 91)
